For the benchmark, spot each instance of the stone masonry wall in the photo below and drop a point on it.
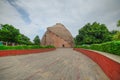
(53, 39)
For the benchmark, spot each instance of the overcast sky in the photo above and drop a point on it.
(32, 17)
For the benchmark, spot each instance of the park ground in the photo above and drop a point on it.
(60, 64)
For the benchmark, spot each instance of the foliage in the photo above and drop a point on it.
(113, 32)
(112, 47)
(8, 33)
(93, 33)
(24, 47)
(118, 23)
(36, 40)
(116, 36)
(49, 46)
(22, 39)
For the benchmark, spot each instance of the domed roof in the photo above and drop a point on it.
(60, 30)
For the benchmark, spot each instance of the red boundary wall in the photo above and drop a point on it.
(20, 52)
(110, 67)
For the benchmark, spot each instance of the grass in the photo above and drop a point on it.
(2, 47)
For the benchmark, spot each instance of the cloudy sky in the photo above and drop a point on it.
(32, 17)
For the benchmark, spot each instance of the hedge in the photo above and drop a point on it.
(112, 47)
(23, 47)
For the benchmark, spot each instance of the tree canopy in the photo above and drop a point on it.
(36, 40)
(8, 33)
(116, 36)
(118, 23)
(93, 33)
(22, 39)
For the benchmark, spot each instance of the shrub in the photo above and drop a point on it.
(112, 47)
(2, 47)
(24, 47)
(49, 46)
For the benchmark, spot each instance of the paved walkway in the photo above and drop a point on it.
(61, 64)
(111, 56)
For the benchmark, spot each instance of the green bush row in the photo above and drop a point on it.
(112, 47)
(24, 47)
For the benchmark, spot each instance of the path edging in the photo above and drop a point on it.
(21, 52)
(110, 67)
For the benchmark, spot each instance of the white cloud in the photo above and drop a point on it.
(8, 14)
(74, 14)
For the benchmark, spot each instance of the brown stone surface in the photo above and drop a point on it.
(58, 36)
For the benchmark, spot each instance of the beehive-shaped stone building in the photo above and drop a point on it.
(57, 36)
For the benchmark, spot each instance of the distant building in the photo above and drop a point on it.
(57, 36)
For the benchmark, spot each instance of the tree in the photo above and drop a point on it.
(113, 32)
(37, 40)
(22, 39)
(9, 33)
(116, 36)
(118, 23)
(93, 33)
